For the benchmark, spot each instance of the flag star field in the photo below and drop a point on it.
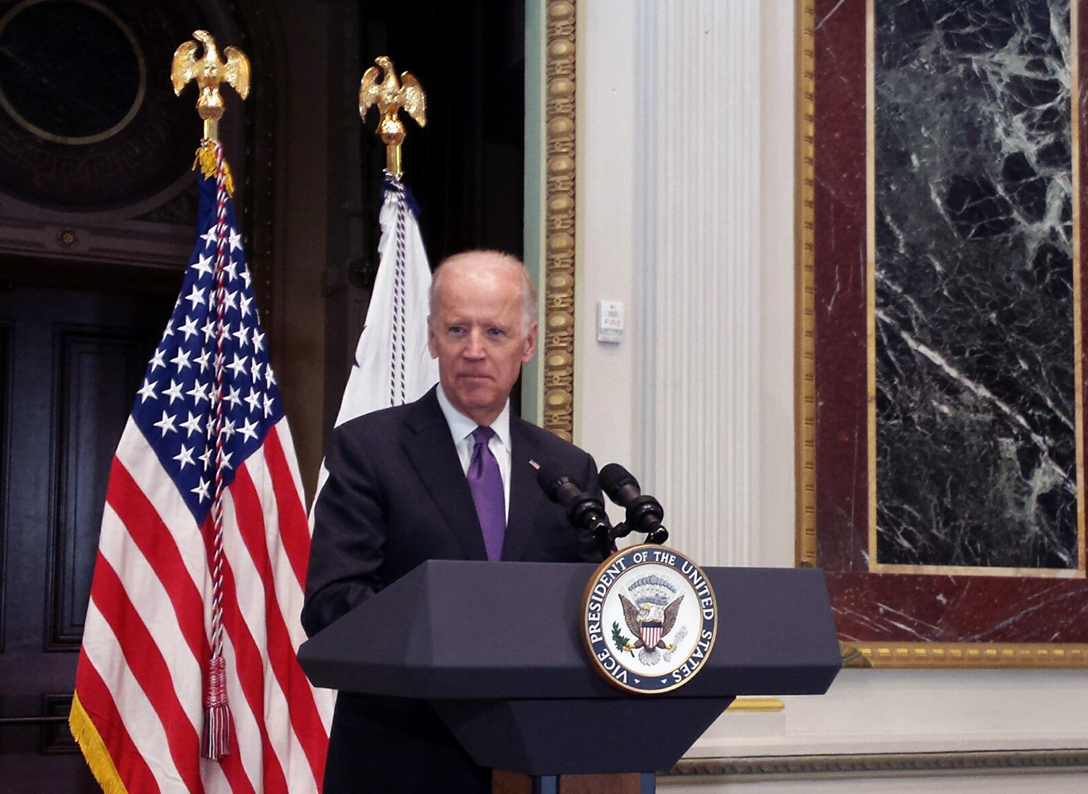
(176, 403)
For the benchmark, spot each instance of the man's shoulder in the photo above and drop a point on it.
(545, 440)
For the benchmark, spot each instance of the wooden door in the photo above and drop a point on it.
(70, 363)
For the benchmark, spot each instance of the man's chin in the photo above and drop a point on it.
(470, 400)
(476, 390)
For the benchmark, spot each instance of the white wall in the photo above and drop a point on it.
(685, 213)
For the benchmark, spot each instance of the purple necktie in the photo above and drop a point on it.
(485, 482)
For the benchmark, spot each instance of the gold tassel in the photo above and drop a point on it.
(205, 159)
(94, 750)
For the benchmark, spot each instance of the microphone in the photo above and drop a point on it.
(584, 510)
(644, 513)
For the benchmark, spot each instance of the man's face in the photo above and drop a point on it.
(476, 333)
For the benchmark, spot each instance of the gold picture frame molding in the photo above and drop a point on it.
(863, 654)
(931, 655)
(797, 768)
(557, 333)
(805, 277)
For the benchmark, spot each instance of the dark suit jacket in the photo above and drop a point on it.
(397, 496)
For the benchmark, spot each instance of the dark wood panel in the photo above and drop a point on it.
(74, 358)
(5, 458)
(54, 737)
(97, 374)
(510, 783)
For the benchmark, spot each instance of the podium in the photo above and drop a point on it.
(496, 649)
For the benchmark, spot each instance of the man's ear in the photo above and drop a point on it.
(431, 341)
(530, 344)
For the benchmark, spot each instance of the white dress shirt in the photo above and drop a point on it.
(461, 428)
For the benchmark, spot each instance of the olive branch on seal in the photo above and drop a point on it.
(622, 643)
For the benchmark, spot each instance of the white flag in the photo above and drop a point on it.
(392, 363)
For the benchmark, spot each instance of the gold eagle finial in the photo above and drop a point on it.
(381, 87)
(209, 72)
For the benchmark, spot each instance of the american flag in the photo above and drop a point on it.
(193, 622)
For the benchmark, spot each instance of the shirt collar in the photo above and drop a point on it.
(461, 426)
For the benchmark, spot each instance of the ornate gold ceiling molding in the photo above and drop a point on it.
(558, 332)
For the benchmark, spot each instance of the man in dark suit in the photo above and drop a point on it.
(451, 476)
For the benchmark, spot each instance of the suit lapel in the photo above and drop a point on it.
(526, 497)
(430, 448)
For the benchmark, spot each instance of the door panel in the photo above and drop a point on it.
(70, 364)
(97, 372)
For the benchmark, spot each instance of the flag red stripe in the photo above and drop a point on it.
(249, 667)
(149, 668)
(97, 701)
(294, 526)
(150, 534)
(305, 718)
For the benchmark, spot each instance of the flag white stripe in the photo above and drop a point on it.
(249, 587)
(214, 778)
(287, 441)
(143, 466)
(152, 603)
(248, 582)
(289, 594)
(137, 714)
(252, 604)
(245, 723)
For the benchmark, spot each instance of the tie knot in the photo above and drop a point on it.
(481, 435)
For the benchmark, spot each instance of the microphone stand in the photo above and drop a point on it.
(656, 536)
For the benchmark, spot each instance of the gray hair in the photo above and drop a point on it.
(528, 288)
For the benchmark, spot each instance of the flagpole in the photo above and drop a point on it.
(392, 364)
(210, 73)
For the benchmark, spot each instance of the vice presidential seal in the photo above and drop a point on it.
(649, 619)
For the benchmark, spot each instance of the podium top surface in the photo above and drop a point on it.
(505, 630)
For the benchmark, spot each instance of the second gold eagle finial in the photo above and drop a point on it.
(381, 87)
(209, 72)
